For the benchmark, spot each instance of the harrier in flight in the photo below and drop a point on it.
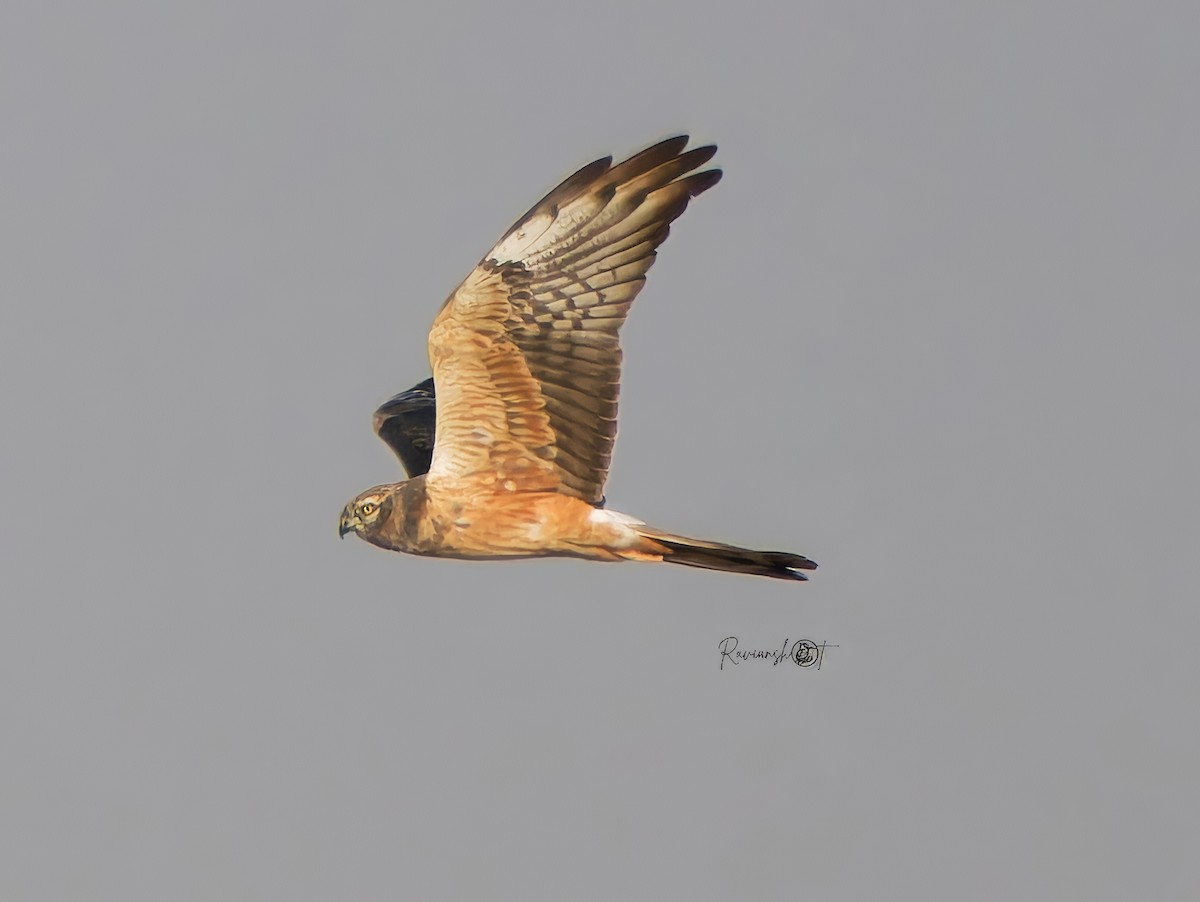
(509, 459)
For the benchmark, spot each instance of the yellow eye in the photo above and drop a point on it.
(368, 508)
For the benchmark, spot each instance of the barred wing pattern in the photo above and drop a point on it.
(525, 352)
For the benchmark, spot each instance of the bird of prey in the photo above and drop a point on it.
(526, 363)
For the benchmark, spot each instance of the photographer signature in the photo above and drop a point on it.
(801, 652)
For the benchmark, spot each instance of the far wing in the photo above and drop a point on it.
(525, 351)
(406, 423)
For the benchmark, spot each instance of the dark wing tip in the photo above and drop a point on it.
(651, 158)
(667, 147)
(702, 181)
(698, 156)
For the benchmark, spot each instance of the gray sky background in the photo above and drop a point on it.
(937, 329)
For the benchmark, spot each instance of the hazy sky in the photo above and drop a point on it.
(937, 329)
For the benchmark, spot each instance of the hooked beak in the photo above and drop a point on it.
(348, 522)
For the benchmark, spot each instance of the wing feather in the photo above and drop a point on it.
(525, 352)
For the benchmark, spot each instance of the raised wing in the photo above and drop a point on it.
(406, 424)
(525, 351)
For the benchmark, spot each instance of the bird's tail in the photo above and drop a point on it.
(716, 556)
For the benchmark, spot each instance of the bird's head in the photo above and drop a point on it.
(367, 513)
